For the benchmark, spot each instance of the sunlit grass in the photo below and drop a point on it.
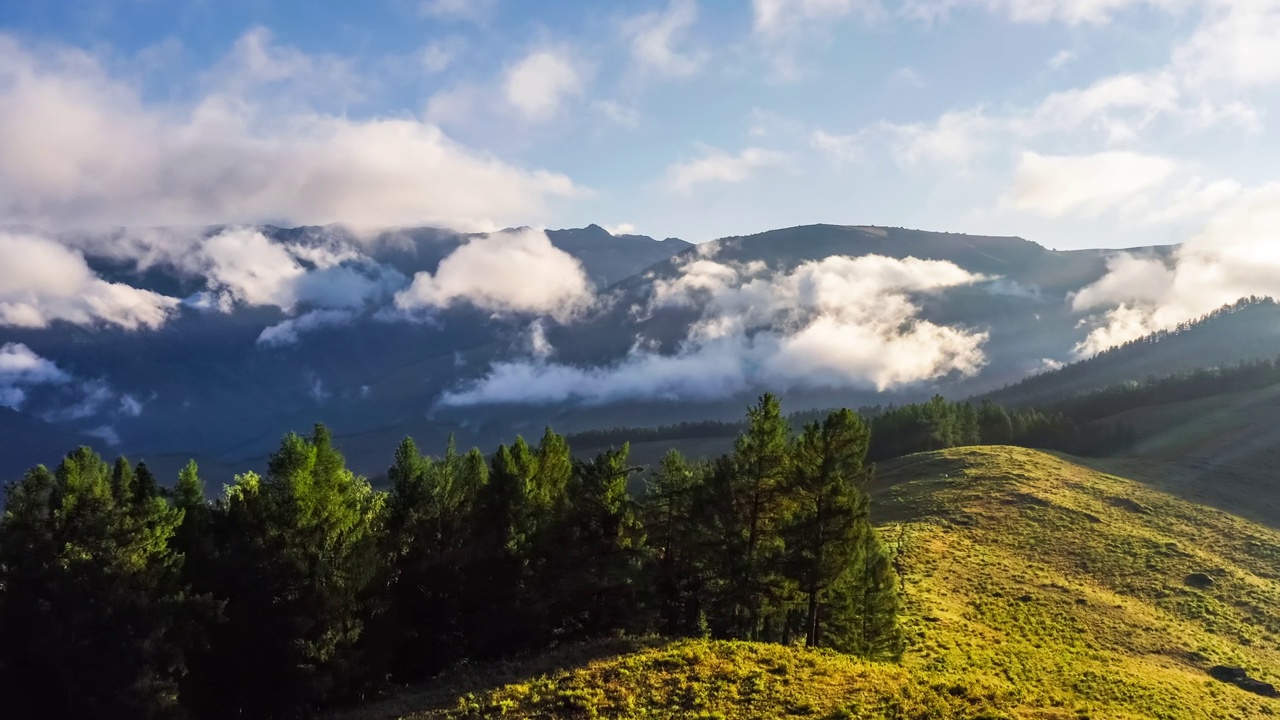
(1035, 588)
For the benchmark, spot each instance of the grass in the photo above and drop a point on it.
(1035, 587)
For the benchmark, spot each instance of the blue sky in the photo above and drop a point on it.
(1074, 123)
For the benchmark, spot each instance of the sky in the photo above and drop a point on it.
(1073, 123)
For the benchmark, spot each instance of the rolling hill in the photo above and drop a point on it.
(1037, 588)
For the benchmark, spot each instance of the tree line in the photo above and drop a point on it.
(1046, 386)
(940, 424)
(305, 587)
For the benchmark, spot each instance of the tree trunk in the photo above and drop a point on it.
(811, 624)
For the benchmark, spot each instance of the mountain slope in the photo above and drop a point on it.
(1035, 588)
(1246, 330)
(29, 441)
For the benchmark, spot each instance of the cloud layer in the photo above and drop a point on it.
(1236, 255)
(516, 271)
(20, 369)
(836, 323)
(80, 147)
(42, 282)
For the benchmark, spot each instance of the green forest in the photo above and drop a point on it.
(306, 587)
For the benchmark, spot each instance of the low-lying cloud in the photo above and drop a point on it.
(20, 369)
(42, 281)
(839, 322)
(518, 271)
(287, 332)
(1236, 255)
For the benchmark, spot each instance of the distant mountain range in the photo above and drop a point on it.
(665, 314)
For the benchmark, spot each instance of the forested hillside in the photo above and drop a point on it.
(306, 587)
(1033, 588)
(1243, 332)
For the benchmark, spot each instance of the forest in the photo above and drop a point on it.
(306, 587)
(938, 424)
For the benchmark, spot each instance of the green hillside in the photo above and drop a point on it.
(1036, 587)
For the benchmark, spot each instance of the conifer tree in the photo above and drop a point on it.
(830, 513)
(760, 457)
(295, 557)
(597, 562)
(93, 615)
(673, 537)
(429, 510)
(864, 620)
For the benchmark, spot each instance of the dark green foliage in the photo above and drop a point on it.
(304, 587)
(597, 566)
(865, 604)
(295, 556)
(831, 516)
(429, 514)
(757, 488)
(94, 616)
(670, 501)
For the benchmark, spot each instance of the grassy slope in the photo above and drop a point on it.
(1036, 588)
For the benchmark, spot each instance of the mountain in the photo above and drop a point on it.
(1036, 587)
(224, 378)
(1243, 331)
(30, 441)
(205, 385)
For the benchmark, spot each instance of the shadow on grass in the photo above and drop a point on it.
(435, 697)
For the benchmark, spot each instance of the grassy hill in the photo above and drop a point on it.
(1036, 587)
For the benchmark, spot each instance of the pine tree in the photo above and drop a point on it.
(295, 557)
(429, 509)
(94, 616)
(866, 605)
(597, 562)
(761, 466)
(831, 511)
(672, 535)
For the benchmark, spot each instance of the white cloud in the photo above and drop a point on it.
(539, 345)
(42, 282)
(1235, 46)
(836, 323)
(1119, 105)
(540, 83)
(954, 139)
(241, 265)
(1088, 185)
(653, 36)
(94, 397)
(1196, 199)
(840, 148)
(70, 399)
(438, 56)
(622, 115)
(621, 229)
(1235, 255)
(470, 10)
(130, 406)
(508, 272)
(21, 368)
(775, 17)
(105, 433)
(1062, 58)
(1070, 12)
(79, 147)
(287, 331)
(718, 166)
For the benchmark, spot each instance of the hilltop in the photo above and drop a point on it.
(1036, 587)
